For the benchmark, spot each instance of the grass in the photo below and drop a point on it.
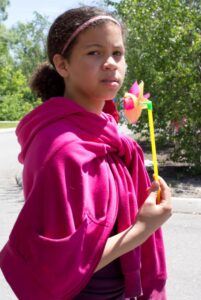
(5, 124)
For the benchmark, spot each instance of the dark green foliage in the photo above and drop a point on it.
(3, 6)
(22, 49)
(164, 50)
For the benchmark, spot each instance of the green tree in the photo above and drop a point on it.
(3, 31)
(29, 44)
(14, 94)
(3, 6)
(16, 98)
(164, 50)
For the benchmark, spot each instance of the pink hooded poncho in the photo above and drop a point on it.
(80, 177)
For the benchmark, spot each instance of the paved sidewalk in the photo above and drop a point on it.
(187, 205)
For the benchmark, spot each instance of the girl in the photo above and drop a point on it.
(89, 228)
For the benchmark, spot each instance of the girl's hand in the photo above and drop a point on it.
(151, 215)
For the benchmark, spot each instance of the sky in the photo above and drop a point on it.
(22, 10)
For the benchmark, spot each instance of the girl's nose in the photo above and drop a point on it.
(110, 63)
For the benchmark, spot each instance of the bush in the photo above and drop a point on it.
(163, 50)
(16, 98)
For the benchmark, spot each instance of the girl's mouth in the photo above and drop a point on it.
(113, 82)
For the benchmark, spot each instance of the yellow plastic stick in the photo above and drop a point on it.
(153, 147)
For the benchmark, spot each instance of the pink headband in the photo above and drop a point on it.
(83, 26)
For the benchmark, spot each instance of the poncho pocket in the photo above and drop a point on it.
(56, 268)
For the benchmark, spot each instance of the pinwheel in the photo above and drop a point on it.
(134, 102)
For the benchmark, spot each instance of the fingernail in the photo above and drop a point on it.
(155, 189)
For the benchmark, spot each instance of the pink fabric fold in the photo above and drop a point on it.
(80, 176)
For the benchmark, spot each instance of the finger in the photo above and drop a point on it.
(153, 190)
(162, 182)
(163, 185)
(152, 187)
(165, 190)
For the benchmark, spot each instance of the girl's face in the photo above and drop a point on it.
(96, 68)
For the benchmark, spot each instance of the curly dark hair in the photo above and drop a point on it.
(46, 82)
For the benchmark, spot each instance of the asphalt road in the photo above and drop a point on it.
(181, 233)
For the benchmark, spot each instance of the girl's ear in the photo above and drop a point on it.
(61, 65)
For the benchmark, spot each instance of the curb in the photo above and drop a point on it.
(186, 205)
(180, 204)
(7, 130)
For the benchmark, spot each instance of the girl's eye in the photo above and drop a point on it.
(117, 53)
(94, 53)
